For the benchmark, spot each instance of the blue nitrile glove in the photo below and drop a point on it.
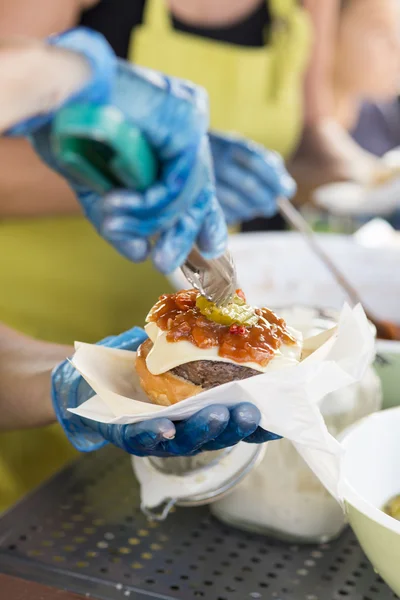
(249, 178)
(212, 428)
(181, 207)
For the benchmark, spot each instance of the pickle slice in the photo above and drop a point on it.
(237, 312)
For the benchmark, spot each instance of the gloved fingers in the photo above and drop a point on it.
(174, 244)
(172, 113)
(141, 438)
(162, 197)
(125, 213)
(244, 420)
(119, 227)
(120, 232)
(235, 207)
(68, 396)
(128, 340)
(267, 166)
(182, 180)
(213, 234)
(69, 390)
(248, 190)
(199, 429)
(128, 203)
(252, 157)
(133, 248)
(260, 436)
(221, 147)
(121, 218)
(231, 217)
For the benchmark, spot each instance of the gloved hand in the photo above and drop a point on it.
(212, 428)
(249, 178)
(181, 207)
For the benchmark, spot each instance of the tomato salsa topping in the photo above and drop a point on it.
(180, 316)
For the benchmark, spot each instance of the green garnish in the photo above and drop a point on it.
(237, 312)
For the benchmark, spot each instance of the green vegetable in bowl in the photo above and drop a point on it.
(392, 508)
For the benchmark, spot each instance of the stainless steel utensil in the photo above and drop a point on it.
(385, 329)
(215, 279)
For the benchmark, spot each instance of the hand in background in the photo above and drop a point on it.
(249, 178)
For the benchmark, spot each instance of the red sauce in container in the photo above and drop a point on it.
(178, 315)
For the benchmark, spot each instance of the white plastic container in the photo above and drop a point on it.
(281, 496)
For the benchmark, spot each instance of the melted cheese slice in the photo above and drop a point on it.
(166, 355)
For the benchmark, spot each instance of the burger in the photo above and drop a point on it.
(194, 346)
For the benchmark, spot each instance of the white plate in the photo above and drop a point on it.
(278, 269)
(347, 198)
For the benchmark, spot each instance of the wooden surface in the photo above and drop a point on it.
(13, 588)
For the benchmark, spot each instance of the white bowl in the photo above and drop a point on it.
(371, 471)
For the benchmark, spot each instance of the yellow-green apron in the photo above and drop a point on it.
(61, 282)
(257, 92)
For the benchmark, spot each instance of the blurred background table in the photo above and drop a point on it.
(279, 269)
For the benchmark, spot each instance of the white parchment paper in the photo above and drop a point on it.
(287, 398)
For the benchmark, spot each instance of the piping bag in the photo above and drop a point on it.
(97, 146)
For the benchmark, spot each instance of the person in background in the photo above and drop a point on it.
(268, 74)
(367, 76)
(367, 73)
(357, 56)
(365, 80)
(377, 128)
(180, 208)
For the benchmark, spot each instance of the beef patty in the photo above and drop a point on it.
(209, 374)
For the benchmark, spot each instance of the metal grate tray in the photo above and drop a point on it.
(83, 531)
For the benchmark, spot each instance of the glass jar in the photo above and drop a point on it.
(281, 497)
(192, 480)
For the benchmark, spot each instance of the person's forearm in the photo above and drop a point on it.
(25, 380)
(28, 187)
(40, 18)
(34, 76)
(318, 84)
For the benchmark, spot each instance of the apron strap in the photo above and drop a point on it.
(291, 37)
(282, 8)
(156, 15)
